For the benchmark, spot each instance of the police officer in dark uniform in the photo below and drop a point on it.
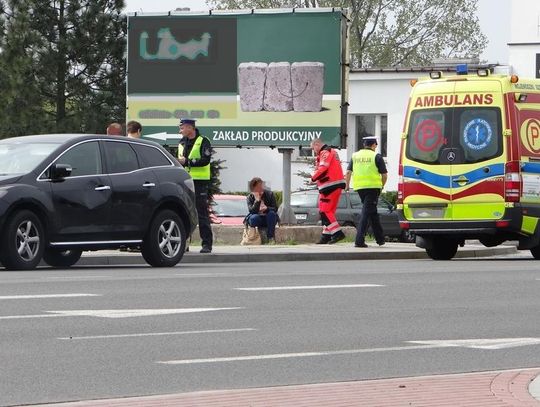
(194, 153)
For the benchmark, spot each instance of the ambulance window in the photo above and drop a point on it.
(426, 135)
(479, 133)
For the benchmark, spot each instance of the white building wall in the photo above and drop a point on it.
(525, 37)
(525, 21)
(244, 164)
(381, 93)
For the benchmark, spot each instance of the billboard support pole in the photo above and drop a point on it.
(287, 215)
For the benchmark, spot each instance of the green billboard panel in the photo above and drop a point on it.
(250, 79)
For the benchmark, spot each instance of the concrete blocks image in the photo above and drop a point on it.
(281, 87)
(251, 83)
(307, 86)
(278, 89)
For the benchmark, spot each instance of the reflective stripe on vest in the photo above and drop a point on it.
(365, 172)
(197, 173)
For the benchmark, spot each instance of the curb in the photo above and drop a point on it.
(196, 258)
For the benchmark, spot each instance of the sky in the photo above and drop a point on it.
(494, 16)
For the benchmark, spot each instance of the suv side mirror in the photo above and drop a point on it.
(60, 171)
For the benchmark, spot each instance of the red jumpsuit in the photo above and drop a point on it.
(329, 177)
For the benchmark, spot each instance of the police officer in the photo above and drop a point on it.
(194, 153)
(369, 175)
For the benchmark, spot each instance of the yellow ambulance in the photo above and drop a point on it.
(470, 162)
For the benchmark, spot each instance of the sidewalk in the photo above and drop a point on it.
(303, 252)
(494, 389)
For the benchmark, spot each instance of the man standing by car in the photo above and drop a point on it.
(329, 178)
(369, 174)
(194, 153)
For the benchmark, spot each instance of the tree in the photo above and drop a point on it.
(392, 33)
(66, 59)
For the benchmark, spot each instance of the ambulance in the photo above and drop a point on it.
(470, 162)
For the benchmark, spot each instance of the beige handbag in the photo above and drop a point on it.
(251, 237)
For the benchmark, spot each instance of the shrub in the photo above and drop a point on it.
(390, 196)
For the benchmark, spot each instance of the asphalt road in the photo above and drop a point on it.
(95, 337)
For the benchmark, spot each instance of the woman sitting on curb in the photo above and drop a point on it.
(262, 209)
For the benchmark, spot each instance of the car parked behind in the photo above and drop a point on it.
(230, 210)
(305, 207)
(63, 194)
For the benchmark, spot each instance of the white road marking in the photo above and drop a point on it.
(295, 355)
(211, 331)
(73, 277)
(28, 297)
(491, 344)
(29, 316)
(308, 287)
(117, 313)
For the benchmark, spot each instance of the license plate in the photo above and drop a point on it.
(301, 216)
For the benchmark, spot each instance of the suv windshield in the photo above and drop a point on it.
(20, 158)
(473, 134)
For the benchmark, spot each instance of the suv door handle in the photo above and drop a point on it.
(148, 185)
(102, 188)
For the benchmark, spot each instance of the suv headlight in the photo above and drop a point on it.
(189, 183)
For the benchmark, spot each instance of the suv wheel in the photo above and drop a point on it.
(61, 258)
(165, 241)
(442, 249)
(22, 242)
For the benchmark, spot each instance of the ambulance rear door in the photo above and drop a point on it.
(476, 152)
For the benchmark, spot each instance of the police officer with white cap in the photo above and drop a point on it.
(194, 153)
(368, 171)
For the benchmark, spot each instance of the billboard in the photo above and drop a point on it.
(273, 78)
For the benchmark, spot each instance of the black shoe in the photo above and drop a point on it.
(336, 237)
(381, 243)
(362, 245)
(324, 239)
(206, 249)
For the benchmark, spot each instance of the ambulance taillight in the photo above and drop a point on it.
(400, 194)
(512, 181)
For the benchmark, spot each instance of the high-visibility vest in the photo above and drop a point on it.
(197, 173)
(365, 172)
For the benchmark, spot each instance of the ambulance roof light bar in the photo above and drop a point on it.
(462, 69)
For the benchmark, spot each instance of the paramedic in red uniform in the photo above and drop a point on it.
(329, 178)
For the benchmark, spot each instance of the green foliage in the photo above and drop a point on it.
(307, 184)
(215, 179)
(279, 197)
(397, 32)
(390, 196)
(62, 65)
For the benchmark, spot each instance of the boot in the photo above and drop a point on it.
(336, 237)
(324, 239)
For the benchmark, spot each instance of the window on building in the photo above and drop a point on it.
(373, 125)
(538, 66)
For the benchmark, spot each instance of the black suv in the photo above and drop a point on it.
(65, 193)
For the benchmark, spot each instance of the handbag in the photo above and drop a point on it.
(251, 237)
